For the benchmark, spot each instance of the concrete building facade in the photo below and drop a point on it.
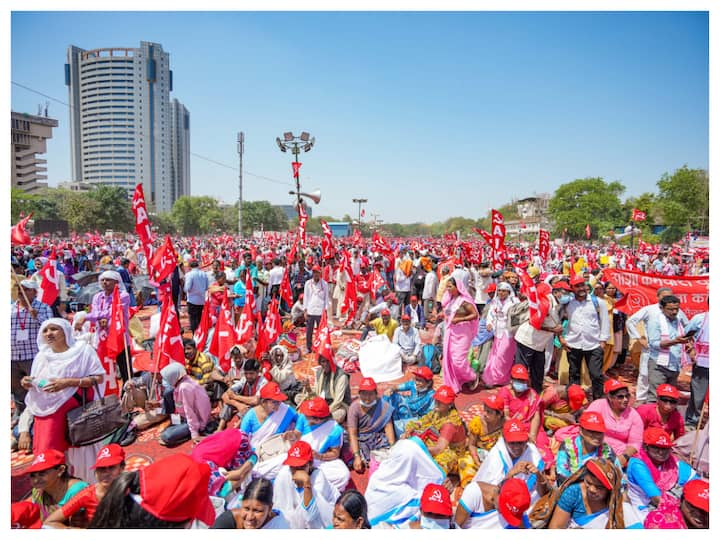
(121, 120)
(180, 148)
(29, 135)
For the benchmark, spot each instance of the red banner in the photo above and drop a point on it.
(498, 239)
(116, 326)
(638, 215)
(302, 223)
(544, 244)
(641, 290)
(142, 224)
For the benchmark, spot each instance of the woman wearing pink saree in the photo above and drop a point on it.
(461, 326)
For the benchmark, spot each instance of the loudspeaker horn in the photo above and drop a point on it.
(314, 196)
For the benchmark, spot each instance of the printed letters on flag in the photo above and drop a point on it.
(165, 260)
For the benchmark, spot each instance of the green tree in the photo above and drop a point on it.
(259, 215)
(115, 208)
(42, 206)
(78, 209)
(586, 201)
(684, 200)
(196, 215)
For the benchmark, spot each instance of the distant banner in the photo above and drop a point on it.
(641, 290)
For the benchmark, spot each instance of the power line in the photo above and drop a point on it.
(199, 156)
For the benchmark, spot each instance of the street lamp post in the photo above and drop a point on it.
(360, 202)
(296, 144)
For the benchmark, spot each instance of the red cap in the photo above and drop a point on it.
(109, 455)
(592, 421)
(519, 372)
(46, 460)
(513, 501)
(577, 279)
(576, 396)
(368, 384)
(385, 312)
(436, 500)
(655, 436)
(424, 372)
(316, 268)
(495, 402)
(25, 515)
(491, 288)
(272, 391)
(316, 407)
(175, 489)
(413, 297)
(514, 431)
(299, 454)
(405, 317)
(667, 390)
(613, 384)
(445, 394)
(598, 473)
(562, 284)
(697, 493)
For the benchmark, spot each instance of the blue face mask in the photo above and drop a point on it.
(431, 523)
(565, 298)
(519, 386)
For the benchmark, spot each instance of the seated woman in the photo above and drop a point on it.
(653, 473)
(442, 430)
(325, 437)
(270, 419)
(488, 506)
(522, 403)
(256, 511)
(52, 485)
(302, 493)
(575, 451)
(283, 374)
(623, 425)
(230, 457)
(369, 424)
(484, 430)
(191, 407)
(412, 399)
(351, 511)
(693, 513)
(514, 455)
(664, 413)
(79, 510)
(562, 406)
(435, 511)
(396, 486)
(591, 498)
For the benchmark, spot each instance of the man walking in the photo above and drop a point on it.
(316, 301)
(196, 284)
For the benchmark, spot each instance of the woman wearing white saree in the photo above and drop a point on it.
(270, 418)
(302, 493)
(317, 427)
(394, 490)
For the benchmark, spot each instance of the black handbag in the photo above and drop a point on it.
(94, 421)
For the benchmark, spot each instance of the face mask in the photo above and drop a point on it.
(519, 387)
(368, 403)
(430, 523)
(565, 298)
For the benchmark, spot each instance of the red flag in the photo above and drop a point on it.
(249, 293)
(538, 303)
(245, 330)
(349, 304)
(293, 250)
(168, 344)
(544, 244)
(50, 284)
(322, 343)
(108, 364)
(296, 168)
(285, 290)
(262, 342)
(377, 283)
(143, 227)
(638, 215)
(165, 260)
(18, 234)
(486, 235)
(380, 244)
(302, 223)
(498, 239)
(587, 231)
(201, 332)
(273, 322)
(116, 326)
(224, 336)
(356, 237)
(328, 250)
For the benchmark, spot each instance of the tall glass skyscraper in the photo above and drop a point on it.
(122, 122)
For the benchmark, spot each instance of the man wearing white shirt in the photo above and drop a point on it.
(402, 286)
(407, 338)
(316, 301)
(587, 333)
(275, 277)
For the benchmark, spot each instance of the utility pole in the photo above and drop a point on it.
(240, 150)
(359, 202)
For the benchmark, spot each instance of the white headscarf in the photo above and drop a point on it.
(173, 372)
(112, 274)
(80, 360)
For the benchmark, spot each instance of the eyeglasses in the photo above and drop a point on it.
(668, 400)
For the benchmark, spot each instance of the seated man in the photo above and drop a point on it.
(369, 424)
(407, 338)
(201, 368)
(416, 312)
(333, 385)
(297, 313)
(382, 325)
(244, 391)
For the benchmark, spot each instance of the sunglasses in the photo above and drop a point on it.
(668, 400)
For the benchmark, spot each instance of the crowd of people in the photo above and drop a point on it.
(531, 396)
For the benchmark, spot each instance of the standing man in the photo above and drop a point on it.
(700, 324)
(587, 333)
(316, 301)
(127, 279)
(25, 321)
(196, 285)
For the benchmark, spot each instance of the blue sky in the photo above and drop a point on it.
(427, 115)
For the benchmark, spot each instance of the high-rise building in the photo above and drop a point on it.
(180, 148)
(28, 136)
(121, 120)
